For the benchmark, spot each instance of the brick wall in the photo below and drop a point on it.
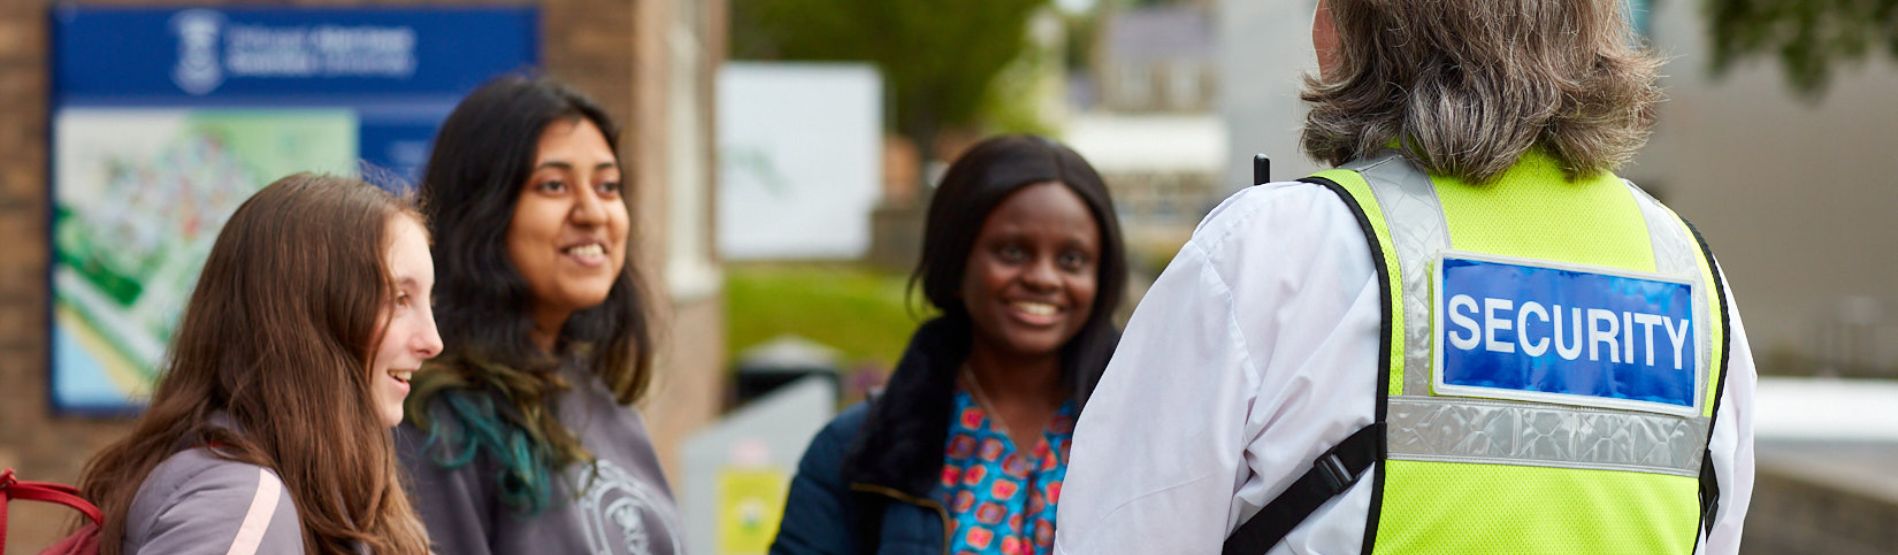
(39, 446)
(609, 48)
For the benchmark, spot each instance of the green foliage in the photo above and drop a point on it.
(938, 57)
(1810, 38)
(1082, 28)
(855, 310)
(1011, 106)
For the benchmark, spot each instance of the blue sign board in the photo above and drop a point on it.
(399, 70)
(1592, 337)
(164, 120)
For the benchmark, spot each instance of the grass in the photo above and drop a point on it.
(856, 310)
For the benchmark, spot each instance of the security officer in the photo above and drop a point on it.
(1469, 337)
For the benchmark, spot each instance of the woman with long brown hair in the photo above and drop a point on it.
(269, 427)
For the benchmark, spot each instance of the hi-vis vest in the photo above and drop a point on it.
(1551, 366)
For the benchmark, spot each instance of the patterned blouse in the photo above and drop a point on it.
(1001, 499)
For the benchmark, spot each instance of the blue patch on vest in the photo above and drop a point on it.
(1540, 333)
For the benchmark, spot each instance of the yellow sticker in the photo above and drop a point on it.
(750, 506)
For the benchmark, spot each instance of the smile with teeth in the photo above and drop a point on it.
(402, 375)
(1034, 308)
(589, 250)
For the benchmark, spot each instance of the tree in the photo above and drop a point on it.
(939, 58)
(1809, 37)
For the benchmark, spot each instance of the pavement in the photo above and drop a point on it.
(1826, 454)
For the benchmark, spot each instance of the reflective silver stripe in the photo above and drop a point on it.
(1676, 253)
(1482, 431)
(1419, 233)
(1456, 429)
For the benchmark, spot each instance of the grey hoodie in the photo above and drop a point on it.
(195, 502)
(624, 509)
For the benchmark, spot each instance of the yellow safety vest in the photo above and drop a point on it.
(1552, 361)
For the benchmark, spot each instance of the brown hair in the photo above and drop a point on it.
(279, 337)
(1466, 87)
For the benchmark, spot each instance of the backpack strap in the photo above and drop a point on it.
(1330, 476)
(12, 488)
(1334, 472)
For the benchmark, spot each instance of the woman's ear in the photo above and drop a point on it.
(1324, 41)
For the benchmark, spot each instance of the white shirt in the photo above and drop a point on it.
(1252, 354)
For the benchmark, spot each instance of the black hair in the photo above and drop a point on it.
(483, 155)
(974, 185)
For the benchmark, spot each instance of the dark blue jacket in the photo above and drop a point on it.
(825, 515)
(869, 481)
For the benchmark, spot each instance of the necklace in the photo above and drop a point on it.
(982, 400)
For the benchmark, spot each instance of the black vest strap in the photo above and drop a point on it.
(1330, 476)
(1709, 493)
(1709, 479)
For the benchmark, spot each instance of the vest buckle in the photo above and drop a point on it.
(1337, 476)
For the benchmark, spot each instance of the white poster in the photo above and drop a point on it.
(800, 160)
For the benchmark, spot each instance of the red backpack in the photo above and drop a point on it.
(83, 542)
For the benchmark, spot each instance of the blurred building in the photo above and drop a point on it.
(1163, 170)
(1157, 59)
(1264, 51)
(650, 64)
(1795, 195)
(1149, 123)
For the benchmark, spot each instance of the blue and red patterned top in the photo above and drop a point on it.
(1000, 498)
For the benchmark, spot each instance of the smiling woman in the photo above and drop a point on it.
(522, 438)
(569, 267)
(269, 428)
(1022, 255)
(407, 325)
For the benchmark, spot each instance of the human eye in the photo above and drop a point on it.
(1011, 252)
(1072, 260)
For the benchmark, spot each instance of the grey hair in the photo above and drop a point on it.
(1465, 87)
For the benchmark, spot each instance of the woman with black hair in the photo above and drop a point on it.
(521, 437)
(1022, 255)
